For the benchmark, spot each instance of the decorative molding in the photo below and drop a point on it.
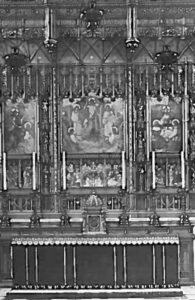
(171, 239)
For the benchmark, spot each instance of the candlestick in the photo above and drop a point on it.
(113, 87)
(0, 132)
(147, 80)
(11, 262)
(29, 77)
(37, 132)
(34, 170)
(37, 81)
(193, 74)
(180, 71)
(24, 85)
(4, 172)
(12, 85)
(64, 169)
(153, 171)
(172, 84)
(182, 170)
(101, 82)
(186, 79)
(160, 84)
(70, 77)
(123, 171)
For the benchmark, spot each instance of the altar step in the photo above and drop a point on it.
(97, 294)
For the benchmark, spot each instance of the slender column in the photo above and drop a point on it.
(193, 256)
(125, 264)
(130, 124)
(179, 260)
(154, 263)
(164, 261)
(115, 266)
(65, 277)
(55, 131)
(26, 264)
(74, 266)
(36, 265)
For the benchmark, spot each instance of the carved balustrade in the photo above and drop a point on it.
(20, 203)
(77, 202)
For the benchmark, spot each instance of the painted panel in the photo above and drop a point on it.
(91, 125)
(168, 172)
(20, 123)
(166, 124)
(92, 173)
(19, 174)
